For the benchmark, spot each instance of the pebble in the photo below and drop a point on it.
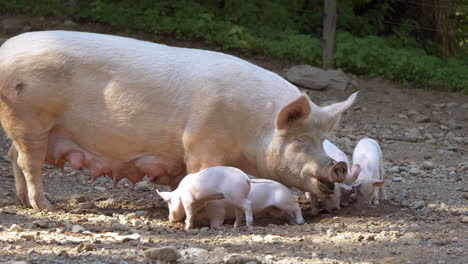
(100, 188)
(4, 201)
(397, 179)
(69, 23)
(194, 252)
(78, 229)
(414, 171)
(432, 206)
(8, 211)
(78, 198)
(418, 205)
(166, 254)
(427, 165)
(238, 259)
(465, 220)
(19, 262)
(394, 170)
(413, 133)
(15, 227)
(465, 195)
(41, 223)
(446, 152)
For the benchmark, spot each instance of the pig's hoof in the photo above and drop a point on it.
(23, 199)
(41, 205)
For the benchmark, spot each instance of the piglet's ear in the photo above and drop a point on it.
(293, 113)
(165, 195)
(378, 183)
(357, 183)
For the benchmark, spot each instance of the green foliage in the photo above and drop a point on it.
(289, 29)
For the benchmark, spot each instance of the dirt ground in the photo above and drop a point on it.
(424, 138)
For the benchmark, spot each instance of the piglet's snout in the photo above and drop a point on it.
(339, 171)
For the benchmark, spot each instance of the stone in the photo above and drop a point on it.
(238, 259)
(15, 227)
(465, 195)
(418, 205)
(421, 118)
(8, 211)
(413, 133)
(427, 165)
(4, 201)
(393, 170)
(315, 78)
(85, 206)
(78, 198)
(464, 220)
(41, 223)
(432, 206)
(69, 23)
(166, 254)
(446, 152)
(78, 229)
(402, 116)
(397, 179)
(414, 171)
(194, 252)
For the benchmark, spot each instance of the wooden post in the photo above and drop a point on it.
(329, 28)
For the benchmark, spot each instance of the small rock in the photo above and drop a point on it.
(394, 170)
(85, 206)
(418, 205)
(316, 78)
(69, 23)
(446, 152)
(397, 179)
(432, 206)
(85, 247)
(413, 133)
(117, 225)
(19, 262)
(78, 198)
(4, 201)
(465, 195)
(465, 220)
(63, 254)
(414, 171)
(402, 116)
(15, 227)
(78, 229)
(100, 188)
(166, 254)
(427, 165)
(8, 211)
(421, 118)
(194, 252)
(41, 223)
(238, 259)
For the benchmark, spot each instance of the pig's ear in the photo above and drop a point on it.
(357, 183)
(336, 110)
(293, 113)
(377, 183)
(165, 195)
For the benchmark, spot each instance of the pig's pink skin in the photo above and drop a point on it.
(268, 198)
(369, 185)
(195, 191)
(127, 108)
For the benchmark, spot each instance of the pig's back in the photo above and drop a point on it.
(368, 155)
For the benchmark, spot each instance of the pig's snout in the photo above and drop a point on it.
(339, 171)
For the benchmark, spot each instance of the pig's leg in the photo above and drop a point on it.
(31, 156)
(247, 207)
(190, 207)
(20, 181)
(382, 193)
(298, 214)
(239, 217)
(314, 203)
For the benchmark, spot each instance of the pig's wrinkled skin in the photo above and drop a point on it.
(194, 192)
(268, 198)
(342, 191)
(128, 108)
(370, 182)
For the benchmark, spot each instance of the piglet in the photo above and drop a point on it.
(268, 198)
(342, 191)
(370, 182)
(228, 184)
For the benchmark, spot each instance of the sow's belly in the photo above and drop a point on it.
(113, 154)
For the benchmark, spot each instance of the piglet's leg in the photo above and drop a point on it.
(217, 219)
(382, 193)
(20, 181)
(190, 207)
(298, 214)
(247, 207)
